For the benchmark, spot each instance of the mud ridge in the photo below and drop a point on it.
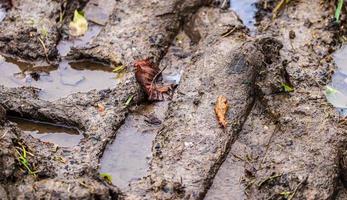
(295, 160)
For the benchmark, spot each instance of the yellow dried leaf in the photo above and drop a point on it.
(79, 25)
(221, 109)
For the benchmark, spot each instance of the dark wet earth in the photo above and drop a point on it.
(74, 126)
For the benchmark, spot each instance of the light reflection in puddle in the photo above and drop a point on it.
(172, 78)
(336, 91)
(2, 13)
(60, 135)
(4, 6)
(58, 82)
(246, 10)
(126, 159)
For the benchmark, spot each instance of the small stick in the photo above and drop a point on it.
(296, 189)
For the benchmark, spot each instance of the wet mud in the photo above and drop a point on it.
(294, 152)
(32, 21)
(66, 119)
(146, 32)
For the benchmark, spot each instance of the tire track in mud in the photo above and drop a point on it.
(191, 146)
(134, 138)
(310, 135)
(139, 30)
(59, 167)
(300, 159)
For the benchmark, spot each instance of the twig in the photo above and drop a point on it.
(269, 179)
(156, 76)
(268, 145)
(229, 32)
(296, 189)
(44, 48)
(3, 135)
(223, 4)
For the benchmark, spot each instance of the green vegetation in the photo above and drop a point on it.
(280, 6)
(107, 177)
(338, 10)
(287, 88)
(130, 98)
(120, 70)
(23, 159)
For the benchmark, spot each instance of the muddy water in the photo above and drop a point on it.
(58, 81)
(246, 11)
(126, 159)
(60, 135)
(336, 92)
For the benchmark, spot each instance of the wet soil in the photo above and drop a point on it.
(279, 143)
(292, 159)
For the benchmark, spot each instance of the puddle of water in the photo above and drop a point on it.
(126, 159)
(246, 11)
(3, 8)
(172, 78)
(58, 82)
(2, 13)
(60, 135)
(336, 91)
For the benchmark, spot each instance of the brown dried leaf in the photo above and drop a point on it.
(221, 110)
(146, 73)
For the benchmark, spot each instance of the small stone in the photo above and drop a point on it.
(291, 34)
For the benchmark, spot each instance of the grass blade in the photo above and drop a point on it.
(338, 10)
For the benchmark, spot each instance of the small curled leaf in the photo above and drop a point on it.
(221, 110)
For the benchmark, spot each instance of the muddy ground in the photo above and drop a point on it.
(278, 143)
